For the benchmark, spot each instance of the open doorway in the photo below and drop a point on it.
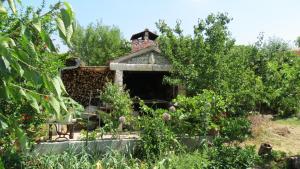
(149, 87)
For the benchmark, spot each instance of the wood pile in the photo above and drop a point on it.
(83, 81)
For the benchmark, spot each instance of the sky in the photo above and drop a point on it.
(275, 18)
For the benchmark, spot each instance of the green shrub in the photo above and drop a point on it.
(235, 128)
(91, 135)
(156, 138)
(224, 157)
(119, 100)
(277, 160)
(195, 115)
(194, 160)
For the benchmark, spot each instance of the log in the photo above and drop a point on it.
(81, 81)
(265, 149)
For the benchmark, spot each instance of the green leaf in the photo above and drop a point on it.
(61, 27)
(4, 92)
(62, 85)
(4, 65)
(11, 42)
(32, 76)
(2, 9)
(22, 93)
(65, 23)
(69, 9)
(29, 47)
(55, 105)
(57, 86)
(12, 6)
(63, 107)
(37, 24)
(66, 17)
(21, 137)
(48, 83)
(46, 38)
(34, 104)
(32, 100)
(20, 2)
(17, 68)
(3, 123)
(69, 34)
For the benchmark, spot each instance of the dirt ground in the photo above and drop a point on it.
(283, 135)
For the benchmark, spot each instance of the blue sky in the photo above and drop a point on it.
(276, 18)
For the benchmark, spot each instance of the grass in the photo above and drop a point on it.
(282, 134)
(289, 121)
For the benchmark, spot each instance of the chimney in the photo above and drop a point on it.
(142, 40)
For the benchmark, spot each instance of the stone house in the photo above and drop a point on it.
(141, 72)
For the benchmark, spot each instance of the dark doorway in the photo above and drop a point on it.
(148, 85)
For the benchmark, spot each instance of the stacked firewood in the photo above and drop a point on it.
(83, 82)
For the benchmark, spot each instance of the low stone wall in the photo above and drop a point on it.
(99, 146)
(102, 146)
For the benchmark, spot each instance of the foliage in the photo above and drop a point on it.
(239, 85)
(117, 160)
(215, 157)
(80, 158)
(97, 43)
(193, 160)
(93, 135)
(196, 60)
(279, 70)
(277, 160)
(235, 128)
(224, 157)
(73, 107)
(30, 86)
(195, 115)
(157, 138)
(208, 60)
(118, 99)
(69, 159)
(263, 77)
(298, 41)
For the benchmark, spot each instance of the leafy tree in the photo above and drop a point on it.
(30, 85)
(196, 59)
(263, 77)
(209, 60)
(298, 41)
(98, 43)
(241, 87)
(279, 68)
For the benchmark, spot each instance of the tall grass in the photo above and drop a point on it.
(69, 159)
(83, 159)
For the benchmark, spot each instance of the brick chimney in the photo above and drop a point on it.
(142, 40)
